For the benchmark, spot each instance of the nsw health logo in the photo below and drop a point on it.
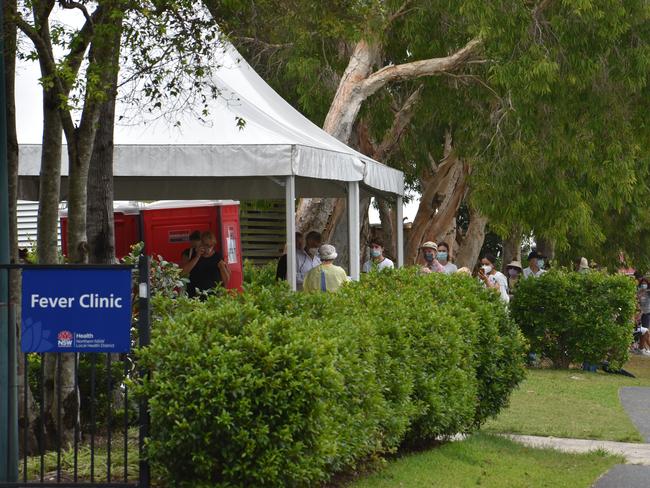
(64, 338)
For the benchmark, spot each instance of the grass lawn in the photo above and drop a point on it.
(490, 461)
(574, 404)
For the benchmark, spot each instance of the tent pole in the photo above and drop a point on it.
(399, 227)
(290, 203)
(353, 229)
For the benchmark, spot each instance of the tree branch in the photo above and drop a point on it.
(401, 121)
(69, 4)
(80, 43)
(417, 69)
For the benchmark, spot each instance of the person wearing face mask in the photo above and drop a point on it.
(431, 265)
(492, 278)
(444, 258)
(326, 277)
(377, 259)
(514, 271)
(207, 269)
(307, 257)
(535, 265)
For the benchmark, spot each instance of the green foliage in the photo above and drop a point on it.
(574, 317)
(165, 277)
(256, 276)
(274, 388)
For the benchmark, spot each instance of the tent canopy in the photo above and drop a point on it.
(218, 158)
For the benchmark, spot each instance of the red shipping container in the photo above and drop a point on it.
(127, 229)
(167, 225)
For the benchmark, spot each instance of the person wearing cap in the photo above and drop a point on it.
(377, 259)
(444, 258)
(431, 265)
(535, 265)
(326, 277)
(514, 271)
(583, 267)
(492, 278)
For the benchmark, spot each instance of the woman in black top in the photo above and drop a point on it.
(207, 269)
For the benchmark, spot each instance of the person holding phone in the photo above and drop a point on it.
(492, 278)
(207, 269)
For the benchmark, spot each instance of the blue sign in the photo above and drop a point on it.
(76, 310)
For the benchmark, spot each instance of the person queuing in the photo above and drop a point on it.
(326, 277)
(535, 265)
(207, 268)
(492, 278)
(281, 269)
(431, 265)
(377, 259)
(444, 258)
(514, 271)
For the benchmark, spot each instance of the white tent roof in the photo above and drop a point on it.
(219, 160)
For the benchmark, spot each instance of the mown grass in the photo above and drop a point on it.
(573, 403)
(490, 461)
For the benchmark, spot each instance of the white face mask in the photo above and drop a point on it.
(487, 269)
(313, 251)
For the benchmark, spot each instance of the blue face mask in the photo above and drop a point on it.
(644, 286)
(375, 253)
(428, 257)
(442, 256)
(540, 263)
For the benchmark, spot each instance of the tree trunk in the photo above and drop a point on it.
(24, 415)
(472, 242)
(546, 247)
(387, 217)
(443, 190)
(511, 249)
(357, 84)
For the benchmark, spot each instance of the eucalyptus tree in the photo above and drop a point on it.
(523, 105)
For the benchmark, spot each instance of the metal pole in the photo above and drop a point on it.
(8, 411)
(290, 202)
(144, 319)
(399, 227)
(354, 229)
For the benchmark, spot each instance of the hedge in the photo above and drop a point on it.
(274, 388)
(574, 318)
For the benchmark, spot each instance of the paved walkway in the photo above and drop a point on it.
(633, 453)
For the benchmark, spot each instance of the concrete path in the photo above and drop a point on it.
(636, 402)
(625, 476)
(633, 453)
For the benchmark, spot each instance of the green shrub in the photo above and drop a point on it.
(573, 317)
(274, 388)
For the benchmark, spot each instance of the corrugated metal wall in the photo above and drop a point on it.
(27, 219)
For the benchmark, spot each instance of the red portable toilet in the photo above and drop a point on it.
(127, 228)
(167, 225)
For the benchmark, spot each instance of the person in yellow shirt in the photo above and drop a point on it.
(326, 276)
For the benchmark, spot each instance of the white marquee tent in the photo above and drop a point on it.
(278, 153)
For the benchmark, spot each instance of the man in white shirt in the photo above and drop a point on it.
(535, 265)
(377, 259)
(307, 258)
(444, 258)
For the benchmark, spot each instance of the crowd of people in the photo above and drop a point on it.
(316, 271)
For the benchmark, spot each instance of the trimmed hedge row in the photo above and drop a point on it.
(273, 388)
(573, 317)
